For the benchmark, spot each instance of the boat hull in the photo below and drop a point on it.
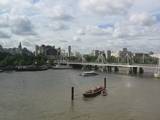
(93, 94)
(31, 68)
(85, 75)
(61, 67)
(156, 75)
(92, 73)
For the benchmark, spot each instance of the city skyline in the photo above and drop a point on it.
(85, 25)
(40, 49)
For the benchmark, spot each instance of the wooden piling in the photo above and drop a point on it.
(72, 93)
(141, 70)
(134, 70)
(105, 82)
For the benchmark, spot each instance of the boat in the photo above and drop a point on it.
(31, 68)
(58, 66)
(104, 92)
(89, 73)
(94, 92)
(157, 73)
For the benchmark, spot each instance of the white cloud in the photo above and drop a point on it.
(142, 19)
(81, 32)
(13, 5)
(104, 7)
(124, 30)
(112, 24)
(56, 12)
(77, 39)
(95, 30)
(59, 13)
(137, 24)
(63, 41)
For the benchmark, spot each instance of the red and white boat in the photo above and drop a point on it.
(94, 92)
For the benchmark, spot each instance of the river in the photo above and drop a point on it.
(45, 95)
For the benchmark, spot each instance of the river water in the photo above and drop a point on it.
(45, 95)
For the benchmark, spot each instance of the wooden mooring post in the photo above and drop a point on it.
(72, 93)
(105, 82)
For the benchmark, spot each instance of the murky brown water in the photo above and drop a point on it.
(45, 95)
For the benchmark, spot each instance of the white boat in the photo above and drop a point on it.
(58, 66)
(157, 73)
(89, 73)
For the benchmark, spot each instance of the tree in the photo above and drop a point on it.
(40, 60)
(90, 58)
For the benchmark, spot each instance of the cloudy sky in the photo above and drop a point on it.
(83, 24)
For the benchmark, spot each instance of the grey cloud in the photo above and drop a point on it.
(4, 21)
(4, 35)
(27, 43)
(22, 26)
(63, 41)
(63, 17)
(58, 26)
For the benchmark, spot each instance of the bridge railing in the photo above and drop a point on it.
(111, 64)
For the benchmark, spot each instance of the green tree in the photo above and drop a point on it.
(90, 58)
(40, 60)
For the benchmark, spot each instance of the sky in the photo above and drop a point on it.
(84, 24)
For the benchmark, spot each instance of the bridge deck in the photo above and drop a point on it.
(114, 65)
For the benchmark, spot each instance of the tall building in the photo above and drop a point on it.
(19, 50)
(20, 46)
(125, 50)
(96, 53)
(141, 57)
(108, 53)
(125, 55)
(69, 51)
(49, 51)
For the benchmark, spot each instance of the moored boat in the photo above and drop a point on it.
(157, 73)
(104, 92)
(89, 73)
(61, 67)
(94, 92)
(31, 68)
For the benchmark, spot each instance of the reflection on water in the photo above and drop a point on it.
(45, 95)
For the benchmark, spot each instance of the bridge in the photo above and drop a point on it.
(152, 66)
(133, 68)
(102, 63)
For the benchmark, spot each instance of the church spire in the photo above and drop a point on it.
(20, 46)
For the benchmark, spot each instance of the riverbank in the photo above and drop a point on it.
(122, 71)
(24, 68)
